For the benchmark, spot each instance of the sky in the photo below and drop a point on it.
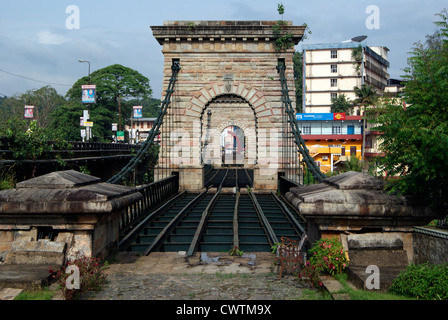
(41, 41)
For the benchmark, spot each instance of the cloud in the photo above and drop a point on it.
(47, 37)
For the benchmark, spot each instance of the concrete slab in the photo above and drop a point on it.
(175, 263)
(9, 293)
(25, 277)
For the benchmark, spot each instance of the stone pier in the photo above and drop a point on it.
(228, 77)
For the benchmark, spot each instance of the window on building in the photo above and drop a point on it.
(333, 95)
(334, 82)
(343, 151)
(336, 129)
(368, 142)
(306, 129)
(334, 54)
(334, 68)
(353, 151)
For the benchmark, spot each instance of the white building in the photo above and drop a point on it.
(336, 68)
(140, 128)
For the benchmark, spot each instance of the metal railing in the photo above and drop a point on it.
(153, 195)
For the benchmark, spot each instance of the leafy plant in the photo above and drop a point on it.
(357, 56)
(341, 104)
(235, 251)
(92, 278)
(353, 164)
(283, 41)
(422, 281)
(414, 135)
(275, 247)
(29, 141)
(326, 256)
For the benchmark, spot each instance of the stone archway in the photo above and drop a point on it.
(210, 92)
(228, 110)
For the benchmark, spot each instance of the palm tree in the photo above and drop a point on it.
(365, 96)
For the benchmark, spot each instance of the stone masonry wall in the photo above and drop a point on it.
(218, 59)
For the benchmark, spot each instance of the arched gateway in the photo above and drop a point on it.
(228, 78)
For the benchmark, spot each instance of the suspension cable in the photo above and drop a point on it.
(154, 131)
(286, 101)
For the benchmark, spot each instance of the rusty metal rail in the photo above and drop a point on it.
(200, 229)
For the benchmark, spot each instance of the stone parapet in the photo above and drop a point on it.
(64, 212)
(355, 202)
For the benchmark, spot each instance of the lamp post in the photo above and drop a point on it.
(87, 128)
(85, 61)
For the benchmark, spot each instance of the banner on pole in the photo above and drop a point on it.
(138, 111)
(88, 93)
(29, 112)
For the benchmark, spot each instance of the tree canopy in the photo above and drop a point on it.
(341, 104)
(415, 137)
(118, 88)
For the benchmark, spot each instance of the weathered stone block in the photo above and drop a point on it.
(36, 252)
(371, 241)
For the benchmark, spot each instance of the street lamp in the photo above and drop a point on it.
(82, 61)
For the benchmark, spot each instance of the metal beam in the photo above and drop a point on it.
(158, 241)
(286, 101)
(236, 240)
(266, 225)
(200, 229)
(125, 242)
(289, 215)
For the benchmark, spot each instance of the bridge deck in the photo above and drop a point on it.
(209, 222)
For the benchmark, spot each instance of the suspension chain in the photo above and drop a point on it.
(286, 101)
(154, 131)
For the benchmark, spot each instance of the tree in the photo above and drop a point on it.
(365, 96)
(12, 108)
(150, 106)
(415, 138)
(116, 86)
(27, 141)
(45, 100)
(341, 104)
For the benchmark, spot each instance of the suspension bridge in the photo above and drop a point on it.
(228, 145)
(226, 142)
(230, 153)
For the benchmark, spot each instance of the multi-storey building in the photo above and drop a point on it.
(336, 68)
(331, 137)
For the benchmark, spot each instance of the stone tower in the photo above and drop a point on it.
(228, 85)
